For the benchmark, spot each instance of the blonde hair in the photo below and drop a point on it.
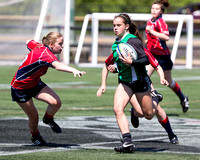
(51, 38)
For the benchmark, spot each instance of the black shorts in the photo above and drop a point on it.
(25, 95)
(164, 61)
(139, 86)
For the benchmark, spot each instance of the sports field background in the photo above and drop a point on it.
(89, 127)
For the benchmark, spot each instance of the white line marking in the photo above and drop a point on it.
(186, 129)
(70, 84)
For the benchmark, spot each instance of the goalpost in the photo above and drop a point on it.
(66, 49)
(96, 17)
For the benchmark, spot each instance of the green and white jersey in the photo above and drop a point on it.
(129, 73)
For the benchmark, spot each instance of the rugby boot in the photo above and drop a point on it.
(38, 140)
(54, 126)
(127, 147)
(134, 119)
(185, 104)
(173, 139)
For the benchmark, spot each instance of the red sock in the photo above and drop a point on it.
(35, 133)
(178, 91)
(48, 116)
(166, 125)
(176, 87)
(164, 121)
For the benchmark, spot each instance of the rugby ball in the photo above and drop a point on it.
(124, 48)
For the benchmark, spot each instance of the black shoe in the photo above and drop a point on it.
(156, 96)
(134, 119)
(173, 139)
(38, 140)
(127, 147)
(52, 124)
(185, 104)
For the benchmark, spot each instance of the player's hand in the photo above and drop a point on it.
(111, 68)
(126, 59)
(164, 82)
(79, 73)
(148, 28)
(101, 91)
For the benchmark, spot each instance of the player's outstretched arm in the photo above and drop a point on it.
(65, 68)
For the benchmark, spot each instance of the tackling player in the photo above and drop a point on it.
(26, 83)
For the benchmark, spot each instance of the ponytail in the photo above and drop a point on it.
(51, 38)
(132, 27)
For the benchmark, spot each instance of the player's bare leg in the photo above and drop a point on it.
(121, 99)
(33, 118)
(54, 103)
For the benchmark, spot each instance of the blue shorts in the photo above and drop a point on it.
(164, 61)
(24, 95)
(139, 86)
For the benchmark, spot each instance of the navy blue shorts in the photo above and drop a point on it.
(139, 86)
(25, 95)
(164, 61)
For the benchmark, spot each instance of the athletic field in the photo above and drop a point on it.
(90, 131)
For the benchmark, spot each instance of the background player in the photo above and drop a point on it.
(156, 98)
(27, 84)
(157, 34)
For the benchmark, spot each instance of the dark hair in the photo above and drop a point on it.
(164, 4)
(132, 27)
(51, 38)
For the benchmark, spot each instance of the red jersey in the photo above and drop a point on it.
(153, 61)
(154, 44)
(34, 66)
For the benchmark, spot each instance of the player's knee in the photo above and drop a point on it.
(118, 110)
(59, 103)
(149, 115)
(140, 115)
(56, 103)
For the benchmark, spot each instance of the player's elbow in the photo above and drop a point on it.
(165, 38)
(27, 41)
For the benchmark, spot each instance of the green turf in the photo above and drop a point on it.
(81, 100)
(91, 154)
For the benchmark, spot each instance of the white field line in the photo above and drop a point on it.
(83, 84)
(188, 134)
(80, 147)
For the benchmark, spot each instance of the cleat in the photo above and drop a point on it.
(52, 124)
(134, 119)
(173, 139)
(160, 97)
(38, 140)
(156, 96)
(185, 104)
(127, 147)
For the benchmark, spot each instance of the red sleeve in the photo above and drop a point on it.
(153, 61)
(32, 44)
(162, 26)
(48, 56)
(109, 60)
